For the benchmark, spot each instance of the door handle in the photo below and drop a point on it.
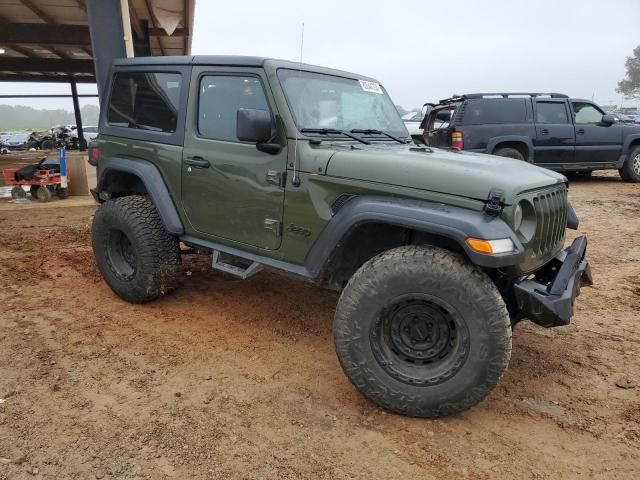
(580, 132)
(197, 162)
(544, 131)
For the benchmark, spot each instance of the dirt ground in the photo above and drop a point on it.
(238, 379)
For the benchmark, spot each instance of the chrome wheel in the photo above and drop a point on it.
(636, 164)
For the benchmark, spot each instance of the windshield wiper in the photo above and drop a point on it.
(334, 131)
(372, 131)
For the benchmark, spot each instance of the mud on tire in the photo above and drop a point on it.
(421, 332)
(135, 254)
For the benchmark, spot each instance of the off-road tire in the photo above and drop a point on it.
(135, 254)
(630, 171)
(481, 320)
(509, 152)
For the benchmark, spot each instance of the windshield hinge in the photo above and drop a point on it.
(494, 203)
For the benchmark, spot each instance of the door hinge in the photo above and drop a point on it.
(273, 226)
(494, 203)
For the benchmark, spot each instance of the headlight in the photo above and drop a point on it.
(517, 217)
(524, 220)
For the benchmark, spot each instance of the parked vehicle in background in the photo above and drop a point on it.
(17, 141)
(310, 172)
(90, 133)
(4, 136)
(412, 121)
(621, 117)
(550, 130)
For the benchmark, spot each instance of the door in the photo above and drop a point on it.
(596, 142)
(231, 191)
(555, 135)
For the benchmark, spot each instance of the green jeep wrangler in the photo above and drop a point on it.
(310, 171)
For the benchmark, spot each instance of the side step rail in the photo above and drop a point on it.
(243, 273)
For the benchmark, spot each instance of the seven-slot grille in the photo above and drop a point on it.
(551, 215)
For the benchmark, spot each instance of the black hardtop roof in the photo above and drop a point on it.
(233, 61)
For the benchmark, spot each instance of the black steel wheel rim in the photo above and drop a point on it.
(420, 340)
(122, 255)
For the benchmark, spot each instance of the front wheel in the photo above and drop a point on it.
(630, 171)
(135, 254)
(421, 332)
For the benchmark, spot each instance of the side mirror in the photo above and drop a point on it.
(253, 125)
(608, 119)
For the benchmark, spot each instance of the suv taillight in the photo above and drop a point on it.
(94, 154)
(457, 141)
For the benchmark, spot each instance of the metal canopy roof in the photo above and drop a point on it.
(49, 41)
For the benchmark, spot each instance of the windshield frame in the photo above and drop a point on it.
(404, 133)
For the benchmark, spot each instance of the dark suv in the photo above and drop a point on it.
(550, 130)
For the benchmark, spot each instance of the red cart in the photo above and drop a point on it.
(43, 185)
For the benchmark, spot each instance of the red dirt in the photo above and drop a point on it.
(238, 379)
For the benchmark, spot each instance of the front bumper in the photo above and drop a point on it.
(548, 298)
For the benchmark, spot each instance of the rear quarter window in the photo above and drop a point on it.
(495, 111)
(145, 101)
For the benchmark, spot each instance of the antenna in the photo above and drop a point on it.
(295, 181)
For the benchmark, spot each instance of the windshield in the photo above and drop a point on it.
(325, 101)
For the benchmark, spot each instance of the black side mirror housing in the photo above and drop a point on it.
(608, 119)
(254, 126)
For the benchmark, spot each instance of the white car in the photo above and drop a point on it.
(90, 133)
(412, 121)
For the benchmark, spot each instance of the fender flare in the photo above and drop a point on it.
(455, 223)
(626, 147)
(491, 145)
(151, 178)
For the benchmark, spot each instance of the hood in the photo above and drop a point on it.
(464, 174)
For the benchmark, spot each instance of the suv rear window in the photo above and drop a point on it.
(145, 100)
(495, 110)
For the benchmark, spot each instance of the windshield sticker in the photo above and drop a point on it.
(371, 87)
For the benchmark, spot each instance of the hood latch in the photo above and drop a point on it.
(495, 203)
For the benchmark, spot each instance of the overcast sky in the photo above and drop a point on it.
(425, 50)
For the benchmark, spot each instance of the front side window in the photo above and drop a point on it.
(221, 96)
(326, 101)
(145, 101)
(551, 113)
(586, 113)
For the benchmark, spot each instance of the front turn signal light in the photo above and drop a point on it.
(491, 247)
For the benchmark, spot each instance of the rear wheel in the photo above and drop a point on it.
(135, 254)
(43, 194)
(509, 152)
(421, 332)
(630, 171)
